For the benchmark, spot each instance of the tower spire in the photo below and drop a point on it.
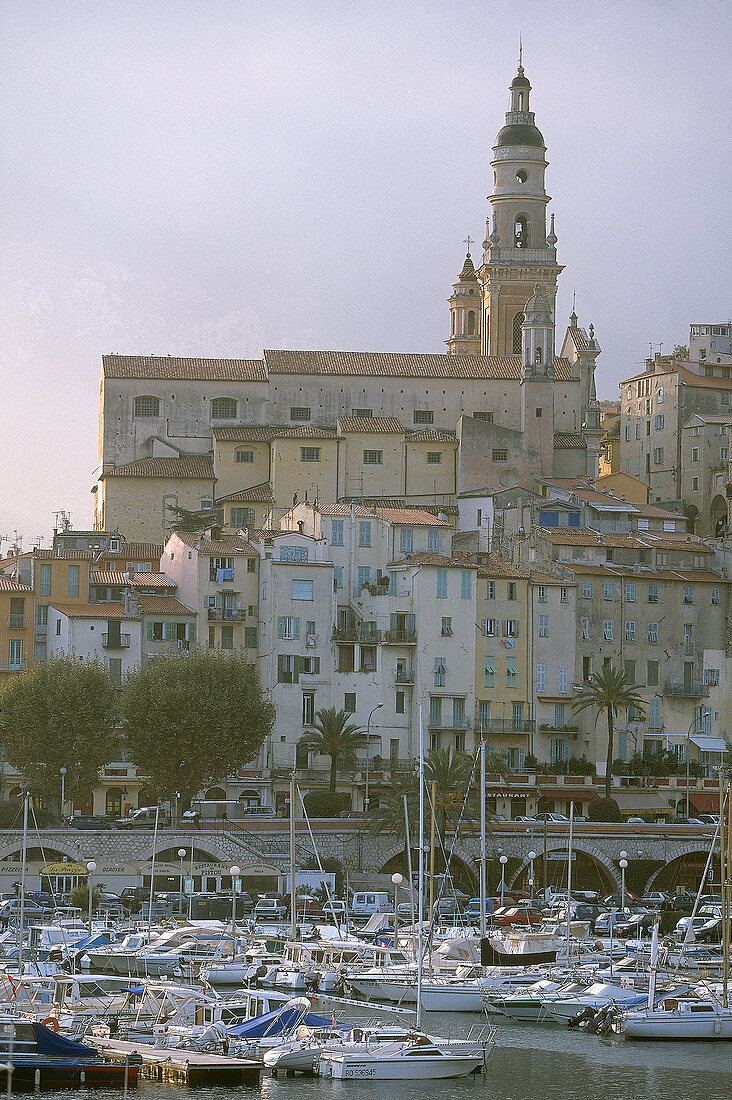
(521, 56)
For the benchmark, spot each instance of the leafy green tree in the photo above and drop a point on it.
(604, 809)
(608, 693)
(185, 520)
(323, 804)
(79, 896)
(336, 736)
(60, 714)
(192, 720)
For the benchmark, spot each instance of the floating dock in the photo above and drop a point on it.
(183, 1067)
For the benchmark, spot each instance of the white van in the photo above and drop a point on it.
(367, 902)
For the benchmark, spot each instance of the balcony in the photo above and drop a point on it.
(435, 723)
(226, 614)
(400, 637)
(118, 641)
(404, 676)
(356, 633)
(694, 689)
(17, 622)
(503, 725)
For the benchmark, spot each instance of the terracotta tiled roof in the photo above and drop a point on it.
(431, 435)
(656, 513)
(396, 365)
(136, 551)
(9, 584)
(194, 468)
(498, 568)
(254, 433)
(171, 367)
(717, 418)
(570, 441)
(690, 379)
(162, 605)
(65, 555)
(229, 545)
(261, 494)
(579, 339)
(645, 573)
(416, 516)
(548, 578)
(108, 577)
(458, 561)
(369, 424)
(93, 610)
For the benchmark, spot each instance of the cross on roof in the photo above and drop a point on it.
(468, 241)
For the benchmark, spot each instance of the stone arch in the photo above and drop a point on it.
(684, 868)
(58, 852)
(212, 852)
(606, 871)
(718, 516)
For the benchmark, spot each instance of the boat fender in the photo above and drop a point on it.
(50, 1022)
(717, 1027)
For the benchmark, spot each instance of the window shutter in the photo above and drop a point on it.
(150, 635)
(191, 632)
(169, 632)
(393, 623)
(411, 622)
(296, 624)
(280, 627)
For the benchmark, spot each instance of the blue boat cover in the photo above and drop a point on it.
(280, 1021)
(53, 1043)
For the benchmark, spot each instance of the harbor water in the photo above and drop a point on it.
(530, 1062)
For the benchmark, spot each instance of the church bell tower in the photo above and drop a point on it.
(518, 253)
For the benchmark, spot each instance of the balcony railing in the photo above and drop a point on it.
(404, 676)
(356, 633)
(694, 689)
(504, 725)
(118, 641)
(400, 637)
(226, 614)
(17, 622)
(14, 666)
(438, 724)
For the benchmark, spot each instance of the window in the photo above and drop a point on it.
(373, 458)
(466, 584)
(288, 627)
(223, 408)
(540, 679)
(362, 412)
(302, 590)
(661, 558)
(627, 433)
(585, 628)
(299, 412)
(629, 630)
(542, 594)
(563, 679)
(490, 590)
(292, 553)
(146, 407)
(308, 707)
(441, 584)
(510, 628)
(654, 714)
(609, 554)
(434, 458)
(688, 639)
(518, 322)
(586, 590)
(349, 702)
(563, 595)
(446, 626)
(44, 584)
(587, 668)
(658, 421)
(688, 594)
(694, 484)
(607, 630)
(336, 532)
(486, 416)
(653, 633)
(58, 627)
(715, 595)
(250, 637)
(724, 454)
(440, 670)
(607, 590)
(364, 533)
(543, 626)
(310, 454)
(227, 636)
(286, 669)
(423, 416)
(338, 576)
(560, 750)
(264, 590)
(364, 576)
(659, 395)
(630, 591)
(244, 456)
(15, 651)
(653, 593)
(511, 590)
(42, 614)
(241, 517)
(511, 672)
(399, 702)
(406, 540)
(433, 542)
(499, 454)
(489, 628)
(73, 580)
(694, 454)
(711, 677)
(489, 672)
(652, 673)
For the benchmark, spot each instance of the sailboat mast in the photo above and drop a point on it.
(21, 915)
(293, 895)
(569, 872)
(725, 869)
(482, 889)
(420, 900)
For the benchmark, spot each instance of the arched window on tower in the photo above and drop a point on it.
(537, 357)
(453, 323)
(471, 322)
(521, 232)
(517, 323)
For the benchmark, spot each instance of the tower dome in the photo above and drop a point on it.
(537, 310)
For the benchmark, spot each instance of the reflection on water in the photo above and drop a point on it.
(530, 1062)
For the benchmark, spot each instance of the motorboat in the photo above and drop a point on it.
(679, 1018)
(394, 1054)
(301, 1053)
(35, 1056)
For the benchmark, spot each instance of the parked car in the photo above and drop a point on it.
(10, 910)
(709, 819)
(634, 821)
(551, 817)
(85, 821)
(270, 909)
(655, 899)
(520, 915)
(335, 908)
(705, 921)
(144, 818)
(524, 817)
(635, 925)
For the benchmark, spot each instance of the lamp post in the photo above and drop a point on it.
(90, 869)
(396, 878)
(235, 872)
(532, 857)
(701, 718)
(181, 855)
(63, 791)
(623, 865)
(368, 742)
(503, 861)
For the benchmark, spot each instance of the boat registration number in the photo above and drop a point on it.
(360, 1071)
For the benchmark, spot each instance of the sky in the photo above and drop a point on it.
(216, 177)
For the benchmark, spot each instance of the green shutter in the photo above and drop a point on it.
(411, 623)
(150, 627)
(191, 632)
(169, 632)
(297, 628)
(280, 627)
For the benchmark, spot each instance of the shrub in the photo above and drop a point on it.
(323, 804)
(604, 809)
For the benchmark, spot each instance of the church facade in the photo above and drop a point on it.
(500, 407)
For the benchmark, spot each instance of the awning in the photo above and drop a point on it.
(710, 744)
(704, 802)
(633, 798)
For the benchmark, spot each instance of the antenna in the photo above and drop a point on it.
(521, 53)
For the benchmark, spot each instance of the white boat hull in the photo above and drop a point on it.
(380, 1067)
(679, 1026)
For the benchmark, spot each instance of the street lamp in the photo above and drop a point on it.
(623, 865)
(532, 857)
(368, 741)
(700, 719)
(63, 790)
(181, 854)
(90, 869)
(235, 872)
(396, 878)
(503, 861)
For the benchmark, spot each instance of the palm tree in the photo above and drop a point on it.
(388, 815)
(334, 736)
(450, 772)
(608, 693)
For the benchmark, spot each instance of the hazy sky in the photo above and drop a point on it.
(213, 177)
